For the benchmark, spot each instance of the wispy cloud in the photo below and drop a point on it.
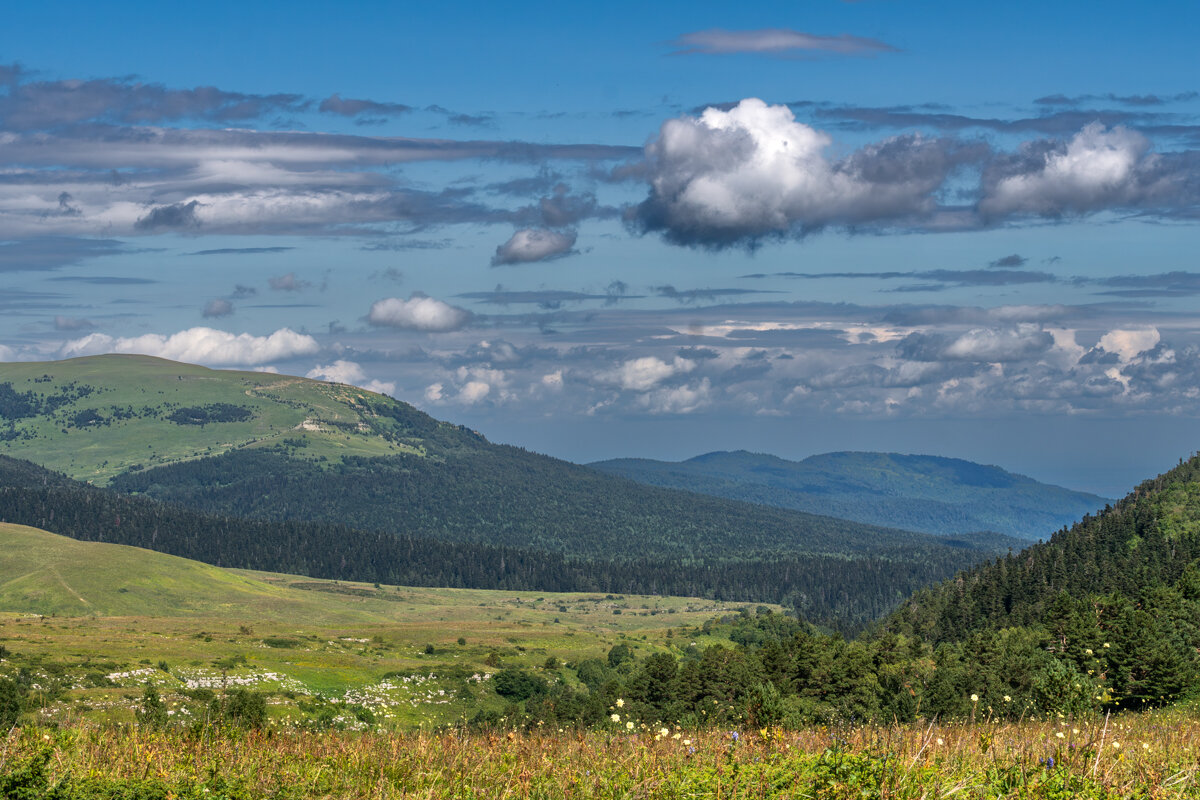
(775, 42)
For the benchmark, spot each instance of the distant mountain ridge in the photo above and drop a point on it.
(932, 494)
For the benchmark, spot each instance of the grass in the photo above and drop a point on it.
(314, 419)
(1133, 756)
(70, 610)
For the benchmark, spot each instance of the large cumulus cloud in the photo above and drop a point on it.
(738, 176)
(418, 313)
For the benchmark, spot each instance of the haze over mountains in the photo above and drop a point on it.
(916, 492)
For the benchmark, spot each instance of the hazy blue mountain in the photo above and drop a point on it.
(921, 493)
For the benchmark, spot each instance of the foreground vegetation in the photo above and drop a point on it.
(1151, 755)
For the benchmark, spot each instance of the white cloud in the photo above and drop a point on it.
(473, 392)
(435, 393)
(351, 373)
(534, 244)
(418, 313)
(641, 374)
(1097, 169)
(1126, 344)
(7, 353)
(729, 177)
(199, 346)
(678, 399)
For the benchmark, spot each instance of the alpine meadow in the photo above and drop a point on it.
(685, 400)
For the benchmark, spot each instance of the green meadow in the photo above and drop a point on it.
(96, 622)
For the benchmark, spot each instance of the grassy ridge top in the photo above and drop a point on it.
(153, 412)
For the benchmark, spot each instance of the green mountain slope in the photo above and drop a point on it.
(922, 493)
(97, 417)
(1116, 597)
(48, 574)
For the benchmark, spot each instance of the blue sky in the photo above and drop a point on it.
(603, 230)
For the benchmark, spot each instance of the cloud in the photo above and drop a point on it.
(534, 244)
(43, 105)
(546, 298)
(1126, 344)
(1164, 284)
(62, 323)
(217, 308)
(1098, 169)
(1129, 100)
(418, 313)
(640, 374)
(699, 295)
(287, 283)
(736, 177)
(346, 107)
(776, 42)
(53, 252)
(678, 399)
(351, 373)
(239, 251)
(177, 215)
(199, 346)
(990, 345)
(1009, 261)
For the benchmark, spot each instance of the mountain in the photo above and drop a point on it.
(937, 495)
(1115, 598)
(360, 486)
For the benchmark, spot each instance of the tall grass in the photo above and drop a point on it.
(1150, 755)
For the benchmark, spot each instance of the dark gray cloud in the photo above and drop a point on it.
(1164, 284)
(216, 308)
(239, 251)
(1009, 261)
(288, 283)
(62, 323)
(42, 105)
(1128, 100)
(775, 42)
(177, 216)
(534, 244)
(240, 292)
(104, 280)
(54, 252)
(347, 107)
(545, 298)
(703, 295)
(944, 277)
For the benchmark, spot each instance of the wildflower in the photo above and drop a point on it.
(1106, 644)
(734, 735)
(1088, 651)
(1075, 730)
(1115, 745)
(628, 726)
(620, 703)
(974, 698)
(1007, 699)
(1058, 735)
(615, 717)
(687, 742)
(663, 732)
(676, 736)
(1145, 745)
(939, 741)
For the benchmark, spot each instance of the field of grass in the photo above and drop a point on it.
(312, 418)
(1132, 756)
(96, 622)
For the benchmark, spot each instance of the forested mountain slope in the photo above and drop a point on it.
(921, 493)
(839, 592)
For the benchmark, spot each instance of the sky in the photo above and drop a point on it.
(619, 229)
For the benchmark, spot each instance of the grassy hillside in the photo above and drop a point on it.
(923, 493)
(96, 417)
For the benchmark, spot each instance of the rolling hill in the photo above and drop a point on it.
(294, 475)
(946, 496)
